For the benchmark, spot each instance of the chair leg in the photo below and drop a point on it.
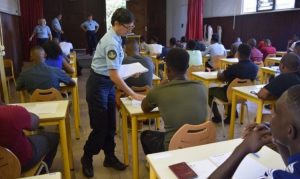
(242, 114)
(43, 165)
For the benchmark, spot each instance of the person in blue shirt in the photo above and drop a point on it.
(284, 132)
(56, 27)
(165, 50)
(100, 93)
(90, 27)
(42, 32)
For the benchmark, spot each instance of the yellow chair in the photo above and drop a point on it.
(193, 135)
(51, 94)
(259, 77)
(10, 167)
(235, 83)
(270, 63)
(194, 68)
(9, 73)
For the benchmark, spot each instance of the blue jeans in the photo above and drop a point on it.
(100, 96)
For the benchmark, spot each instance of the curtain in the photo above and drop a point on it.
(31, 11)
(194, 28)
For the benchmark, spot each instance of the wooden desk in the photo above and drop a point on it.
(75, 104)
(225, 62)
(281, 53)
(159, 162)
(155, 80)
(58, 117)
(245, 93)
(267, 72)
(73, 63)
(271, 60)
(135, 113)
(56, 175)
(156, 63)
(206, 77)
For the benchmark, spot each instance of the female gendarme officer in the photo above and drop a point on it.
(100, 93)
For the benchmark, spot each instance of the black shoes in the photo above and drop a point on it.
(113, 162)
(87, 166)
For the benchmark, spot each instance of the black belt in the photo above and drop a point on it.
(99, 75)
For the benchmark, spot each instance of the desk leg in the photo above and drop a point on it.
(75, 102)
(259, 112)
(157, 122)
(152, 173)
(156, 67)
(125, 135)
(64, 148)
(232, 119)
(135, 148)
(69, 140)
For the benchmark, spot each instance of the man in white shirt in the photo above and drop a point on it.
(66, 47)
(56, 27)
(215, 49)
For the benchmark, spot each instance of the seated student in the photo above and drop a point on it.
(235, 46)
(268, 48)
(296, 48)
(215, 49)
(183, 42)
(133, 56)
(290, 75)
(180, 101)
(55, 57)
(284, 133)
(256, 56)
(66, 47)
(195, 55)
(154, 48)
(294, 39)
(200, 45)
(28, 149)
(41, 76)
(165, 50)
(244, 69)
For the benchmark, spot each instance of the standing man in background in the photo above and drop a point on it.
(90, 27)
(42, 32)
(56, 27)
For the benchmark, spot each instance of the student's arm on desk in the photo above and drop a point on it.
(264, 94)
(146, 107)
(67, 67)
(251, 144)
(221, 76)
(115, 77)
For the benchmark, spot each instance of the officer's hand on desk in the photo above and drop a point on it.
(138, 97)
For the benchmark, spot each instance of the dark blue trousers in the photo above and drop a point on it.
(92, 41)
(100, 96)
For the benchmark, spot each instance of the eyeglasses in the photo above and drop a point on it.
(128, 27)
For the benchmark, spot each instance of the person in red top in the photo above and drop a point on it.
(268, 48)
(256, 56)
(28, 149)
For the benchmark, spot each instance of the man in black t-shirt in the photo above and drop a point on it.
(290, 76)
(244, 69)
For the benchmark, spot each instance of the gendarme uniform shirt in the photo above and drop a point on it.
(56, 24)
(42, 31)
(109, 53)
(90, 25)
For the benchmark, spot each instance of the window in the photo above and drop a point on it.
(249, 6)
(285, 4)
(265, 5)
(111, 6)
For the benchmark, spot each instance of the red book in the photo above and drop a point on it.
(183, 171)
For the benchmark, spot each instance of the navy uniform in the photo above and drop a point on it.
(56, 27)
(90, 26)
(43, 34)
(100, 96)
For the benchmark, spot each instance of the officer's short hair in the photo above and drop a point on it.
(177, 59)
(123, 16)
(244, 51)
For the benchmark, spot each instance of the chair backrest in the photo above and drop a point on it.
(259, 73)
(194, 68)
(8, 64)
(235, 83)
(193, 135)
(216, 61)
(51, 94)
(10, 167)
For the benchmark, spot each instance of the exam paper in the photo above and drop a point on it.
(129, 70)
(43, 108)
(203, 168)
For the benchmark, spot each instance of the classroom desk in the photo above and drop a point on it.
(281, 53)
(245, 93)
(270, 60)
(267, 72)
(156, 63)
(73, 63)
(56, 175)
(155, 80)
(206, 77)
(134, 111)
(160, 162)
(58, 117)
(225, 62)
(75, 104)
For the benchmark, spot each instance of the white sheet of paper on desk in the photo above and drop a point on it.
(248, 169)
(129, 70)
(203, 168)
(44, 108)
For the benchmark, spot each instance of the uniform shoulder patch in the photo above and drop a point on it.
(112, 54)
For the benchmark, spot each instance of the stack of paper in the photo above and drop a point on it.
(129, 70)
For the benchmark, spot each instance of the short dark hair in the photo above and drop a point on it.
(123, 16)
(52, 49)
(293, 100)
(191, 45)
(244, 50)
(267, 41)
(183, 39)
(173, 41)
(252, 42)
(215, 38)
(291, 61)
(177, 59)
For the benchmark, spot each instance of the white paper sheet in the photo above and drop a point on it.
(203, 168)
(129, 70)
(44, 108)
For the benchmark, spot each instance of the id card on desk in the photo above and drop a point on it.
(183, 171)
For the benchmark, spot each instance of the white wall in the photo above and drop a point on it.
(221, 8)
(10, 7)
(176, 18)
